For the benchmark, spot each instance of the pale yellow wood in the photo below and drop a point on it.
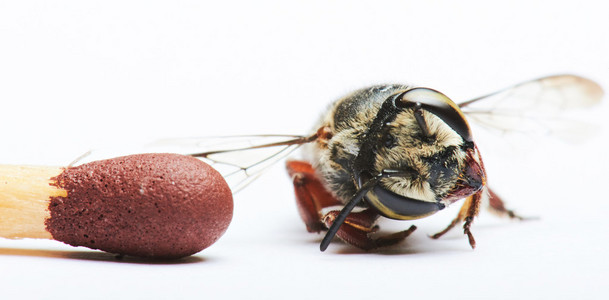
(25, 192)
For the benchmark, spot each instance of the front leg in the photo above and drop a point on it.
(468, 211)
(318, 209)
(358, 227)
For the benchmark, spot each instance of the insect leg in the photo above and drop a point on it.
(340, 218)
(497, 206)
(311, 195)
(358, 227)
(315, 205)
(468, 211)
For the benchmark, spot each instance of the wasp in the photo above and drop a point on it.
(397, 151)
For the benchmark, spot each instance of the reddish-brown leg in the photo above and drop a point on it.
(497, 206)
(313, 199)
(358, 228)
(468, 211)
(311, 195)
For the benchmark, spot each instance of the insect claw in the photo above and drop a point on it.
(466, 230)
(512, 215)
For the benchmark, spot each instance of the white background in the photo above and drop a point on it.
(75, 76)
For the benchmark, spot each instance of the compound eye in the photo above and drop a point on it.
(437, 104)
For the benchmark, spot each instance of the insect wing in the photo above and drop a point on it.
(537, 107)
(240, 159)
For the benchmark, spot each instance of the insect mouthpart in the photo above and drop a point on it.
(471, 180)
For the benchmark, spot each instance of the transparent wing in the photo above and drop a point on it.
(542, 106)
(240, 159)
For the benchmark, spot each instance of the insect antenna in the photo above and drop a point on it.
(355, 200)
(342, 216)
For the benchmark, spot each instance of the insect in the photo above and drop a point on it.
(399, 152)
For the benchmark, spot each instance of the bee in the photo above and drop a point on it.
(397, 151)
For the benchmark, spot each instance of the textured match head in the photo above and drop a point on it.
(146, 205)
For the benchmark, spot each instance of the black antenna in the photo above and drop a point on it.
(355, 200)
(340, 219)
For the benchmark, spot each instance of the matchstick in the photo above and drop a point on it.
(146, 205)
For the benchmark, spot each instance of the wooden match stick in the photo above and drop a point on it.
(147, 205)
